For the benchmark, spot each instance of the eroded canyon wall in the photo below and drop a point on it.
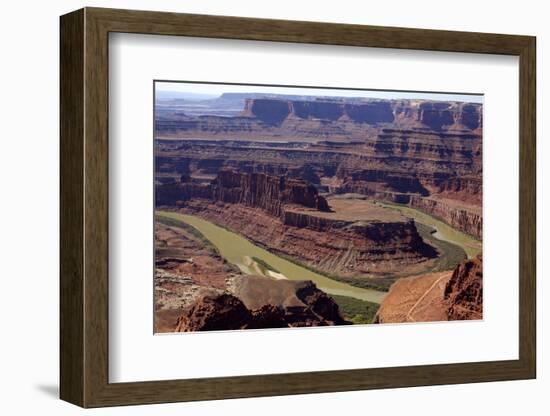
(469, 221)
(464, 291)
(423, 153)
(287, 216)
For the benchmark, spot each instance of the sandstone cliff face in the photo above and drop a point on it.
(288, 304)
(465, 220)
(269, 115)
(268, 192)
(464, 291)
(337, 249)
(398, 162)
(438, 115)
(433, 115)
(176, 192)
(184, 266)
(269, 111)
(285, 215)
(274, 111)
(370, 181)
(216, 312)
(404, 151)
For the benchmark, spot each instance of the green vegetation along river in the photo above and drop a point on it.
(443, 231)
(238, 250)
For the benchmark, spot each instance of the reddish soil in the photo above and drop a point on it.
(444, 296)
(415, 299)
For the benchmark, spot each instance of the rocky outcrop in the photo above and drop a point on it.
(269, 111)
(278, 116)
(270, 193)
(184, 265)
(371, 181)
(433, 115)
(290, 217)
(445, 296)
(438, 115)
(464, 291)
(302, 302)
(371, 112)
(175, 193)
(424, 153)
(301, 219)
(392, 164)
(280, 304)
(274, 111)
(215, 312)
(468, 221)
(259, 190)
(343, 248)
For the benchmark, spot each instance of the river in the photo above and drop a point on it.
(443, 231)
(238, 250)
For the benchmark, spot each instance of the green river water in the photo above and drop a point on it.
(238, 250)
(443, 231)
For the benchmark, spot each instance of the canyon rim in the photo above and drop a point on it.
(280, 207)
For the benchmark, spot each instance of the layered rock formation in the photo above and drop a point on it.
(289, 217)
(396, 150)
(269, 112)
(443, 296)
(294, 174)
(267, 192)
(372, 122)
(260, 302)
(464, 291)
(469, 220)
(275, 111)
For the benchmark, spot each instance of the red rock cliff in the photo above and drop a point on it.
(264, 191)
(434, 115)
(275, 111)
(283, 304)
(464, 291)
(468, 221)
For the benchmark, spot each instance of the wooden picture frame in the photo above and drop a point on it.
(84, 207)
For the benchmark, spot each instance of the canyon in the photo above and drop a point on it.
(425, 154)
(289, 217)
(197, 290)
(328, 184)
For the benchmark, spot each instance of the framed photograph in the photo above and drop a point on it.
(257, 207)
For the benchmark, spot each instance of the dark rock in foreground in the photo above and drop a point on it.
(292, 304)
(215, 312)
